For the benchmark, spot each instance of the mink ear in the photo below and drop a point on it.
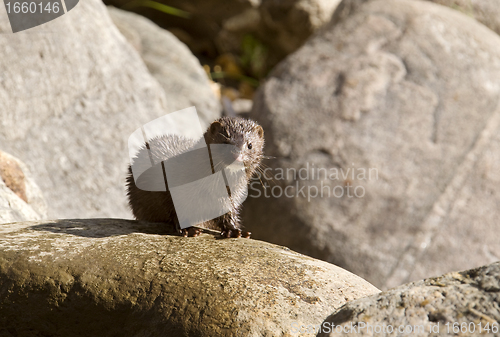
(215, 127)
(260, 131)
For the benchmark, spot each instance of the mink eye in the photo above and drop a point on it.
(249, 146)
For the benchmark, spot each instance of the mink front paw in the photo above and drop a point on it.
(235, 233)
(190, 232)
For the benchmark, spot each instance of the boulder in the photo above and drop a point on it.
(485, 11)
(288, 24)
(68, 115)
(110, 277)
(465, 303)
(177, 70)
(20, 197)
(385, 128)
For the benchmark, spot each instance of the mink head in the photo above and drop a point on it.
(246, 135)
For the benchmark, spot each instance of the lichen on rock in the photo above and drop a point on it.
(108, 276)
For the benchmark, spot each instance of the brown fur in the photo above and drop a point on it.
(158, 206)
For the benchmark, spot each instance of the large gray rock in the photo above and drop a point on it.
(116, 277)
(171, 63)
(465, 303)
(405, 95)
(68, 115)
(20, 197)
(485, 11)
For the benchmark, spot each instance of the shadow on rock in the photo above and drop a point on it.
(100, 228)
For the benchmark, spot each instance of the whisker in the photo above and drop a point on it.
(261, 179)
(265, 167)
(266, 178)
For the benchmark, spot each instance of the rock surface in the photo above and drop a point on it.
(171, 63)
(485, 11)
(405, 96)
(68, 115)
(20, 197)
(456, 303)
(118, 277)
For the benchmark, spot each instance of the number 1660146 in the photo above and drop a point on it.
(32, 7)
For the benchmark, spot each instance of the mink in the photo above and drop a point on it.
(247, 140)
